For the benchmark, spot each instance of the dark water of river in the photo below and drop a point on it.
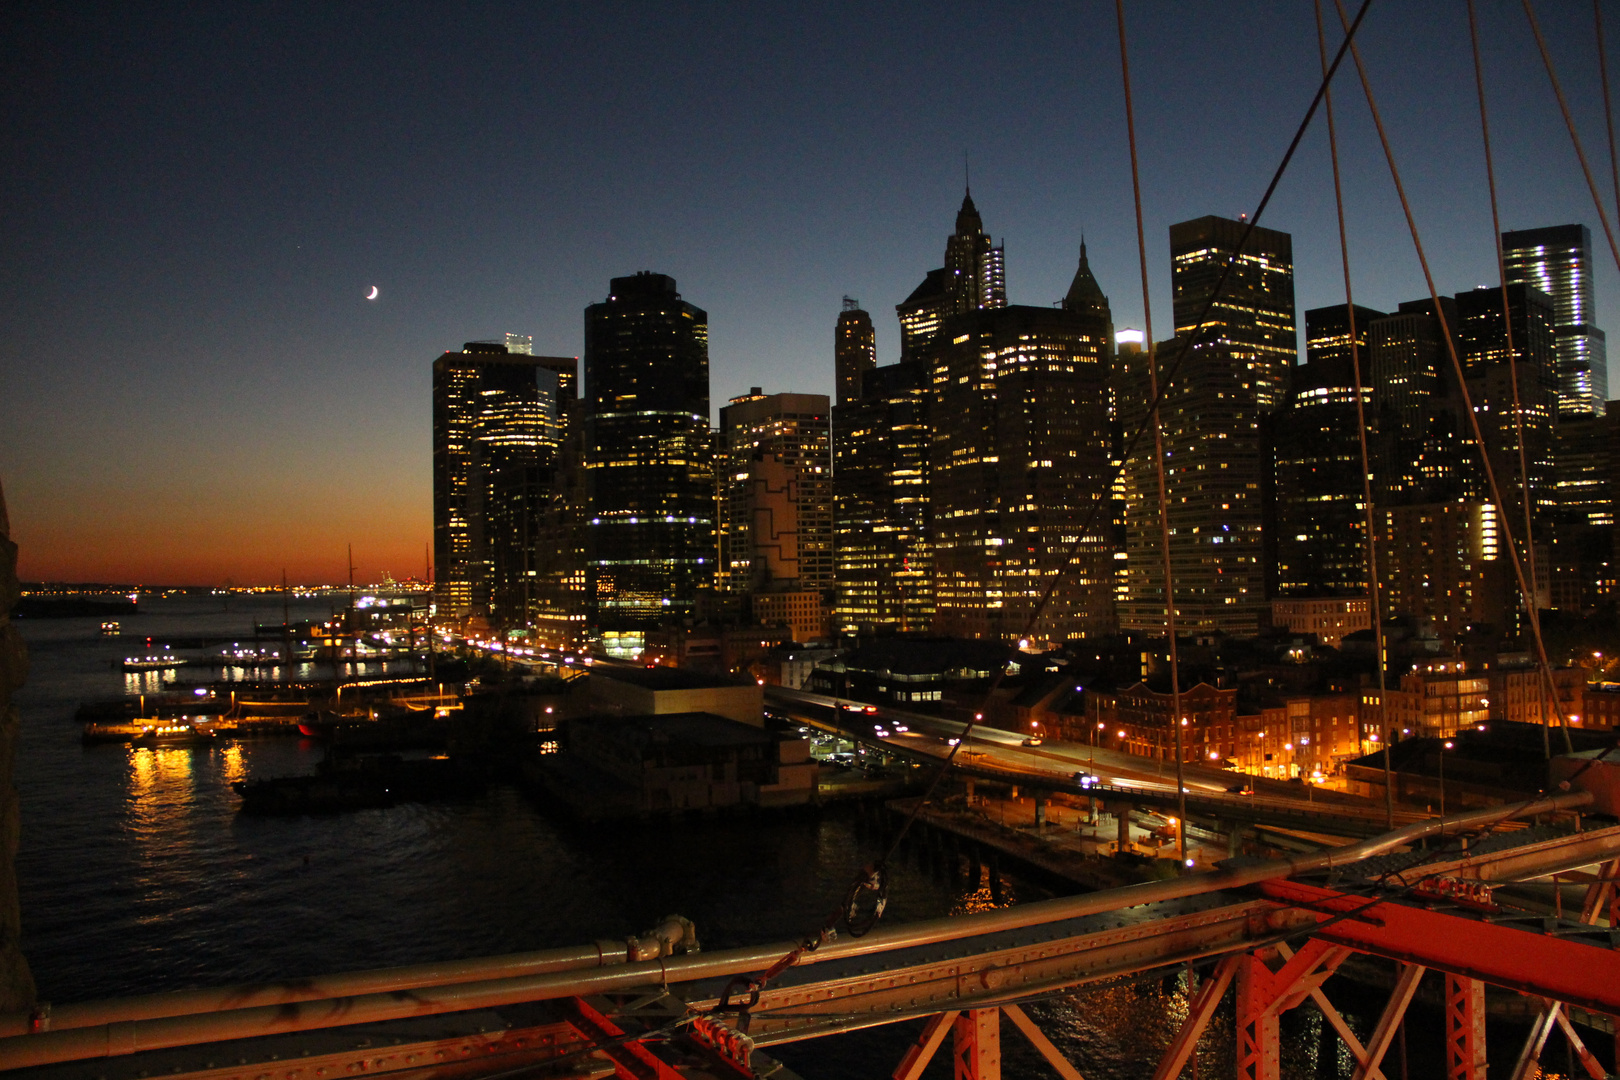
(138, 875)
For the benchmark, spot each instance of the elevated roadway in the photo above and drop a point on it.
(1117, 778)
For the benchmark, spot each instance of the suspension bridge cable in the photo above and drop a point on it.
(1608, 110)
(1374, 600)
(1451, 349)
(872, 876)
(1533, 601)
(1569, 122)
(1176, 720)
(1173, 369)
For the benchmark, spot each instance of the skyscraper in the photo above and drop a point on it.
(1214, 469)
(1019, 469)
(974, 276)
(1319, 524)
(495, 432)
(1558, 261)
(854, 351)
(1227, 367)
(881, 444)
(776, 508)
(1254, 313)
(794, 430)
(1482, 339)
(882, 516)
(650, 535)
(555, 587)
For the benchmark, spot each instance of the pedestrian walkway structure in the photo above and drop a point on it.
(1269, 932)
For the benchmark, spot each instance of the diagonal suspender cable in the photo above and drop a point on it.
(1533, 601)
(1158, 446)
(1608, 110)
(1374, 598)
(870, 875)
(1569, 122)
(1451, 349)
(1130, 445)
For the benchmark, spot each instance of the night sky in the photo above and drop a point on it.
(196, 199)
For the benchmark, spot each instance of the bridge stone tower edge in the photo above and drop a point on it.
(16, 982)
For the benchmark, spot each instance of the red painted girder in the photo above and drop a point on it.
(1540, 964)
(631, 1060)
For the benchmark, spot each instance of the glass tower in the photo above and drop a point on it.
(855, 351)
(650, 535)
(496, 427)
(1558, 261)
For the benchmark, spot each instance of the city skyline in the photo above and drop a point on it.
(194, 309)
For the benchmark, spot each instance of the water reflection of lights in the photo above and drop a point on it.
(143, 682)
(156, 770)
(233, 766)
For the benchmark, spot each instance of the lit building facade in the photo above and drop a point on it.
(496, 429)
(1558, 261)
(974, 276)
(1329, 618)
(1019, 465)
(1214, 468)
(650, 536)
(882, 516)
(1584, 459)
(882, 443)
(1320, 528)
(1443, 562)
(1254, 313)
(854, 349)
(776, 505)
(1482, 335)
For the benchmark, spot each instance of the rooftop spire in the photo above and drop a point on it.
(1084, 293)
(968, 222)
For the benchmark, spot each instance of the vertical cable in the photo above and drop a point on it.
(1374, 601)
(1158, 445)
(1451, 349)
(1532, 601)
(1608, 111)
(1569, 122)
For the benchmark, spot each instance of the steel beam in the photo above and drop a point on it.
(1527, 1067)
(1202, 1006)
(1389, 1021)
(1544, 965)
(1040, 1042)
(631, 1060)
(922, 1051)
(1588, 1062)
(1338, 1023)
(1465, 1028)
(1520, 863)
(977, 1045)
(807, 1003)
(1602, 896)
(1258, 1056)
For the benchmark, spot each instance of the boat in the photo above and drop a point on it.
(389, 727)
(360, 782)
(156, 736)
(110, 627)
(157, 662)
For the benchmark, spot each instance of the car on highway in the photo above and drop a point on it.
(1033, 740)
(1084, 779)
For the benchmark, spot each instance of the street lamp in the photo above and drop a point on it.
(1447, 745)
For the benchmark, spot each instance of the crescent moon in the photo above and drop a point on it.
(373, 294)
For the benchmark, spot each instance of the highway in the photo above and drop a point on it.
(992, 753)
